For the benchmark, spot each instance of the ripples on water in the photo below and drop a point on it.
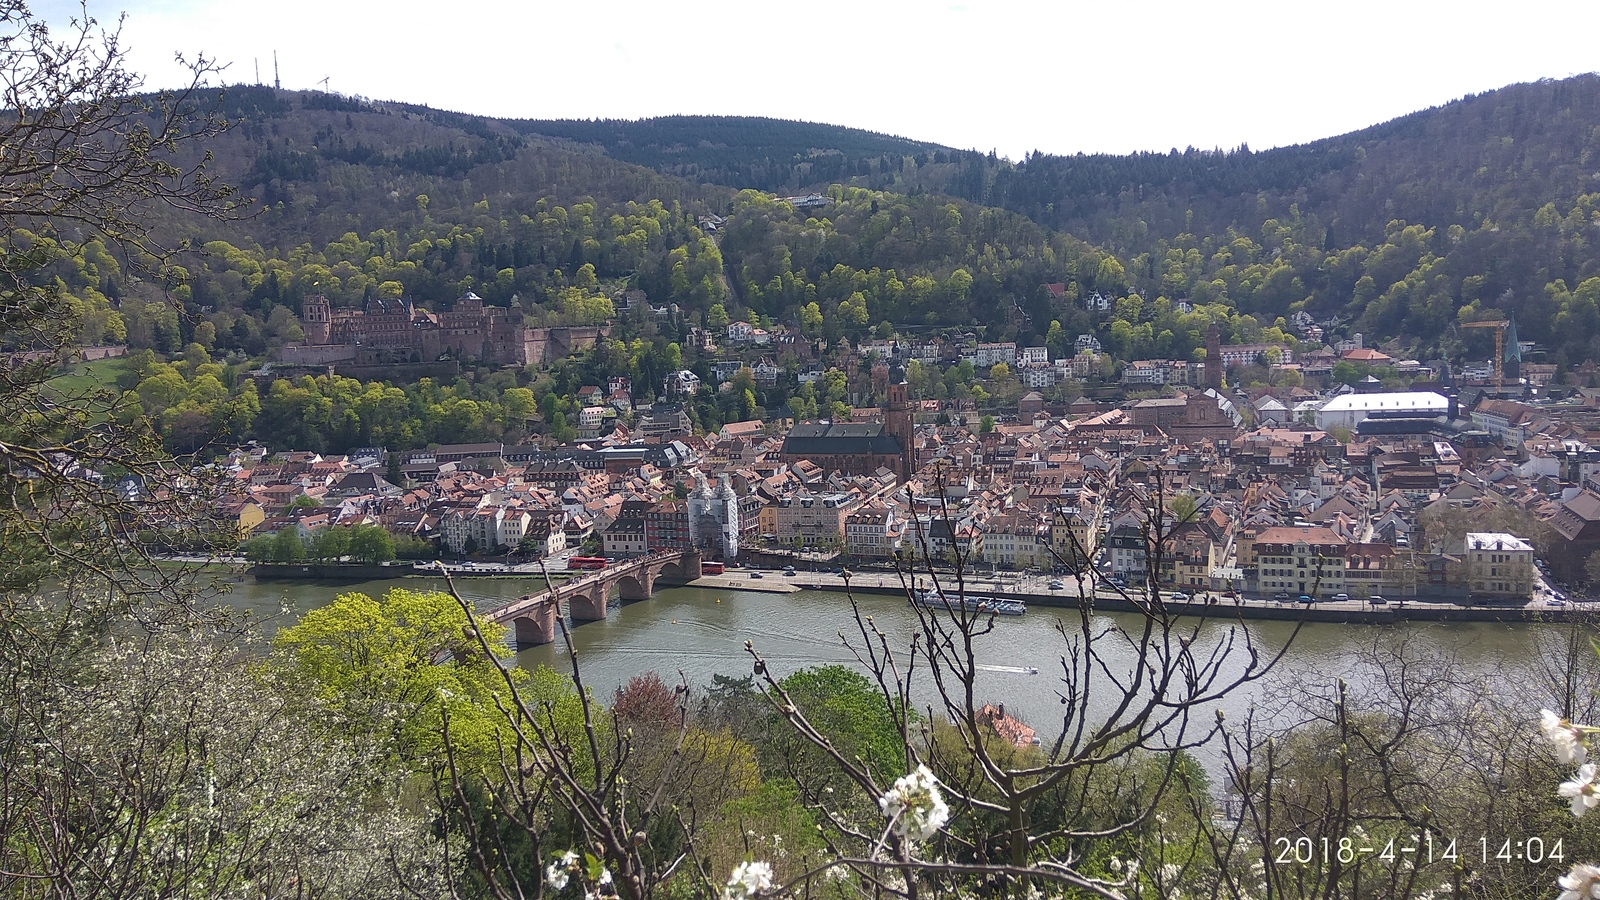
(702, 633)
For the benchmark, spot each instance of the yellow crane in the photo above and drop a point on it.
(1499, 326)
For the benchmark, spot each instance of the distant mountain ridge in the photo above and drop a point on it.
(736, 151)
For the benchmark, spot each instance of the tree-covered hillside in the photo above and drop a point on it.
(1478, 209)
(362, 201)
(740, 151)
(1474, 209)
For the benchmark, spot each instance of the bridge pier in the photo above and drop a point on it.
(535, 627)
(639, 587)
(532, 619)
(589, 605)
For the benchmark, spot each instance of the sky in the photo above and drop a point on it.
(1013, 76)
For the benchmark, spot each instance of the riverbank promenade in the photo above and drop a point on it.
(1034, 590)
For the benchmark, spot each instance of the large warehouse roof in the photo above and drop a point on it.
(1408, 401)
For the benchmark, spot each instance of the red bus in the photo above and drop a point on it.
(711, 568)
(586, 562)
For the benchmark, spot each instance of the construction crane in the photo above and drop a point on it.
(1499, 326)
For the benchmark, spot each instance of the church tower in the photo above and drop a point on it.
(897, 421)
(1513, 358)
(1214, 358)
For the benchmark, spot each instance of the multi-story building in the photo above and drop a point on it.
(625, 536)
(547, 531)
(483, 528)
(872, 532)
(1234, 355)
(682, 382)
(1071, 540)
(1035, 356)
(1041, 377)
(1145, 371)
(1129, 554)
(808, 520)
(1379, 570)
(1498, 564)
(666, 526)
(1015, 540)
(989, 355)
(1188, 557)
(1301, 559)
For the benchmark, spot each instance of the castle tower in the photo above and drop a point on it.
(897, 421)
(1214, 358)
(316, 319)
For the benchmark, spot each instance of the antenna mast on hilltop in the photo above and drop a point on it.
(276, 85)
(258, 71)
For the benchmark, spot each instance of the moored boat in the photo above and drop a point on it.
(934, 599)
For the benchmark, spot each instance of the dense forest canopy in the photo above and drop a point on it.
(1471, 210)
(738, 151)
(1475, 210)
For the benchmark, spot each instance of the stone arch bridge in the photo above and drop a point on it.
(531, 620)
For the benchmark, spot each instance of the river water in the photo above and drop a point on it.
(702, 632)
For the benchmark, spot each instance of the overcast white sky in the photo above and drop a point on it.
(1014, 76)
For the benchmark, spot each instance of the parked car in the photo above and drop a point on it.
(1057, 585)
(1307, 598)
(1341, 597)
(1118, 581)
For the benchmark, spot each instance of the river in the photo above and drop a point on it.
(702, 632)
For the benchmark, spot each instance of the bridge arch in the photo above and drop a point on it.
(637, 586)
(535, 627)
(532, 618)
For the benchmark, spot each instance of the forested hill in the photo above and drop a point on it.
(742, 151)
(1481, 207)
(1477, 208)
(1498, 155)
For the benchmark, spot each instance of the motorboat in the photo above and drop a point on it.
(934, 599)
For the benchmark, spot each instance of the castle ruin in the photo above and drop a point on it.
(399, 331)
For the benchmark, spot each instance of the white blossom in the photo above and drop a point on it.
(915, 805)
(1567, 738)
(1581, 790)
(749, 879)
(559, 872)
(1581, 883)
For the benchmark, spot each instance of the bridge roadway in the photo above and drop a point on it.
(531, 620)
